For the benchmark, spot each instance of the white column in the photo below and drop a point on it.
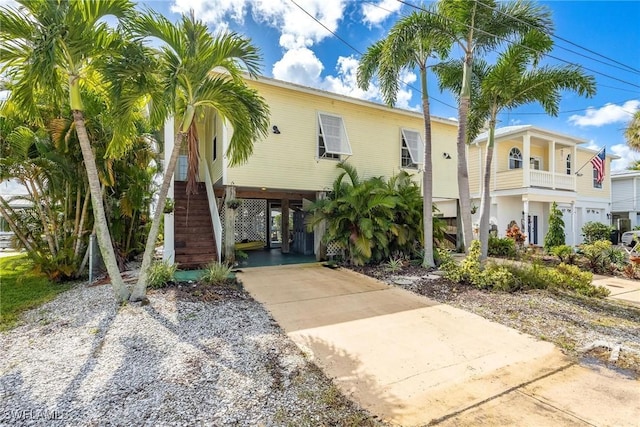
(526, 160)
(574, 235)
(526, 222)
(552, 166)
(169, 249)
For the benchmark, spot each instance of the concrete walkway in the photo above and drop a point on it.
(413, 361)
(621, 289)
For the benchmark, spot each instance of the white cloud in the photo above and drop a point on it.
(375, 14)
(404, 95)
(214, 12)
(300, 66)
(10, 3)
(591, 145)
(610, 113)
(627, 155)
(346, 83)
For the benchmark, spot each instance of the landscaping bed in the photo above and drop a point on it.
(195, 355)
(570, 321)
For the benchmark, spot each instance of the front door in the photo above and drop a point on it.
(275, 225)
(532, 229)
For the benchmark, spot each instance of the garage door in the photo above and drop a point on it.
(594, 215)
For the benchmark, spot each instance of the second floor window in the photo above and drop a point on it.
(596, 179)
(568, 164)
(515, 158)
(332, 137)
(412, 153)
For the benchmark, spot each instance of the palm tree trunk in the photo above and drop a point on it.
(485, 201)
(46, 229)
(140, 288)
(463, 174)
(80, 228)
(102, 229)
(427, 177)
(4, 207)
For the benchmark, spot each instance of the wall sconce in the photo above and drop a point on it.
(608, 215)
(276, 130)
(446, 156)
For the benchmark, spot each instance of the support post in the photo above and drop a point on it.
(526, 159)
(229, 227)
(526, 223)
(319, 247)
(285, 226)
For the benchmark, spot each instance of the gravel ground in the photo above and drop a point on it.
(80, 360)
(570, 321)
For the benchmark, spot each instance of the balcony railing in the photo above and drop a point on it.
(546, 179)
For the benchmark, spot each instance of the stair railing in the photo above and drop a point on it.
(213, 210)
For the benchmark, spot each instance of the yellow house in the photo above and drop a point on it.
(531, 169)
(311, 131)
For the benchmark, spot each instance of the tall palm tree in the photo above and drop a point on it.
(199, 71)
(51, 46)
(632, 132)
(477, 27)
(410, 43)
(515, 80)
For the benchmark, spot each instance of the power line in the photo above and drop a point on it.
(419, 90)
(511, 42)
(628, 67)
(360, 53)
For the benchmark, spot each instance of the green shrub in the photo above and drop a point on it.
(565, 253)
(160, 273)
(502, 247)
(497, 277)
(596, 254)
(394, 264)
(469, 269)
(216, 273)
(594, 231)
(555, 235)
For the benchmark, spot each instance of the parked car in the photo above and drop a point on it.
(630, 238)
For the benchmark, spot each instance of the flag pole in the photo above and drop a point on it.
(589, 161)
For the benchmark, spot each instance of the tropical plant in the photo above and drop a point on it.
(216, 273)
(477, 28)
(54, 47)
(565, 253)
(199, 72)
(161, 273)
(515, 80)
(502, 247)
(410, 43)
(632, 132)
(594, 231)
(555, 234)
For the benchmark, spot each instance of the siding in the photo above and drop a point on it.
(289, 160)
(473, 162)
(509, 179)
(622, 195)
(584, 183)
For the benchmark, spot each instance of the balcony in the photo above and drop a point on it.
(557, 181)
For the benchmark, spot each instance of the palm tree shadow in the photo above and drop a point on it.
(349, 375)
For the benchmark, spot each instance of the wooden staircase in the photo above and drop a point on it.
(195, 244)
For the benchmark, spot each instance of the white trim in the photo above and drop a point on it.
(334, 134)
(414, 143)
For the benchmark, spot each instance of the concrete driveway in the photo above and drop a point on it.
(413, 361)
(621, 289)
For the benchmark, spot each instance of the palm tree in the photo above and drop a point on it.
(515, 80)
(197, 72)
(51, 46)
(410, 43)
(632, 132)
(477, 27)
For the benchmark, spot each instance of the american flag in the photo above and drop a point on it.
(598, 164)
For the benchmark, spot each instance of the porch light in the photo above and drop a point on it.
(446, 156)
(276, 130)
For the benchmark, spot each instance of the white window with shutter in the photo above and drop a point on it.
(412, 142)
(332, 137)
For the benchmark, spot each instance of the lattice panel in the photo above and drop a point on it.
(334, 248)
(251, 220)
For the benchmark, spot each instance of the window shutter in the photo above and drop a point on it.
(334, 135)
(415, 145)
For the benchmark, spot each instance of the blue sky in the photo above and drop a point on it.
(298, 49)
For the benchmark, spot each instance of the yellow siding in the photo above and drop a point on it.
(509, 179)
(543, 153)
(289, 160)
(473, 162)
(585, 182)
